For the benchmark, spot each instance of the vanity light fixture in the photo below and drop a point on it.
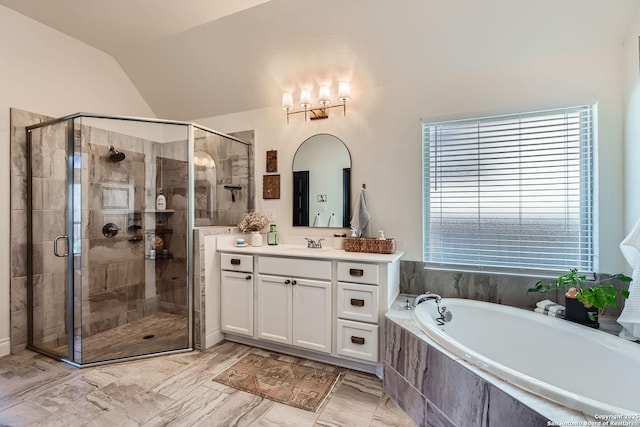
(322, 112)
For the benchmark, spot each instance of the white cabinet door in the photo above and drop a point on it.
(274, 308)
(236, 300)
(312, 314)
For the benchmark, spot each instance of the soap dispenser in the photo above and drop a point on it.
(161, 201)
(272, 236)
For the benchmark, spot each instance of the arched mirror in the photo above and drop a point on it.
(322, 183)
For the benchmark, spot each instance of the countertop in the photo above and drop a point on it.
(293, 250)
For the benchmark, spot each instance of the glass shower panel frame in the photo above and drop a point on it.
(123, 292)
(48, 260)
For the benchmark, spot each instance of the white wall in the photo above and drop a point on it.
(47, 72)
(631, 73)
(382, 131)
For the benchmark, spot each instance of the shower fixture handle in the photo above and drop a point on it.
(66, 246)
(110, 230)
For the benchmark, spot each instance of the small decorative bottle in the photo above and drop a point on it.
(161, 201)
(272, 236)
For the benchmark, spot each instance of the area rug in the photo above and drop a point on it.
(284, 382)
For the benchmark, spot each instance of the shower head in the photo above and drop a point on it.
(115, 156)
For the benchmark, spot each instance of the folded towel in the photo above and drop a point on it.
(630, 316)
(559, 313)
(550, 307)
(544, 303)
(316, 220)
(360, 221)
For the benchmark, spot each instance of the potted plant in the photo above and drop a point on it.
(254, 222)
(584, 302)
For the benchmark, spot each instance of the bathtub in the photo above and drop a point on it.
(550, 357)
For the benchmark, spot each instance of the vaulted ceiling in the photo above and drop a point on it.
(198, 58)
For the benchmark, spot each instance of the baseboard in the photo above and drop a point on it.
(5, 346)
(213, 338)
(370, 368)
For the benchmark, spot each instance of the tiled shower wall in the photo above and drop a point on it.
(232, 169)
(116, 289)
(18, 287)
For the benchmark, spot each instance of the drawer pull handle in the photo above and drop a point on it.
(357, 302)
(356, 272)
(357, 340)
(235, 261)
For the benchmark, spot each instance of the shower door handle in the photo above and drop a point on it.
(66, 247)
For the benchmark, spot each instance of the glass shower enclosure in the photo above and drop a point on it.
(109, 268)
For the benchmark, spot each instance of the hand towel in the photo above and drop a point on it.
(332, 221)
(316, 220)
(549, 313)
(361, 217)
(630, 316)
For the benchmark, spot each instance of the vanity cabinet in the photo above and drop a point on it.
(291, 309)
(324, 305)
(237, 294)
(358, 308)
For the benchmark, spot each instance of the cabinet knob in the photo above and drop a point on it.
(286, 282)
(357, 340)
(356, 272)
(293, 282)
(248, 278)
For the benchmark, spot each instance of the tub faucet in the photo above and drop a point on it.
(425, 297)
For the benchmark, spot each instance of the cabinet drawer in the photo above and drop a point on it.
(358, 302)
(235, 262)
(358, 273)
(358, 340)
(311, 268)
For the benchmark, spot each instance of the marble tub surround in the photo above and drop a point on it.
(497, 288)
(438, 389)
(175, 390)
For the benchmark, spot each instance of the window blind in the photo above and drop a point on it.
(510, 192)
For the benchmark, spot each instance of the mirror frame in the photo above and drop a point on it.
(301, 198)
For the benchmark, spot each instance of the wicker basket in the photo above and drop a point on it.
(369, 245)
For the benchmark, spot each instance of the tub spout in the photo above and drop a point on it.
(425, 297)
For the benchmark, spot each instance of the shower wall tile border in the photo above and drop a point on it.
(200, 284)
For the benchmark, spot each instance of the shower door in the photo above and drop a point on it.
(108, 272)
(48, 261)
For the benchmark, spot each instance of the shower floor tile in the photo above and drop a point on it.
(151, 334)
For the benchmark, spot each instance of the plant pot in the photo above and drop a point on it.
(256, 238)
(576, 312)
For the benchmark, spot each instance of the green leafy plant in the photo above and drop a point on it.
(598, 295)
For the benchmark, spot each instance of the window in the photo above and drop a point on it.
(510, 193)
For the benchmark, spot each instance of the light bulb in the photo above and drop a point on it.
(305, 98)
(323, 95)
(287, 101)
(344, 91)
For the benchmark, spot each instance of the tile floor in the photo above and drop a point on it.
(175, 390)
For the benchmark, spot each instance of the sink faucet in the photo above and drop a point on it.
(313, 244)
